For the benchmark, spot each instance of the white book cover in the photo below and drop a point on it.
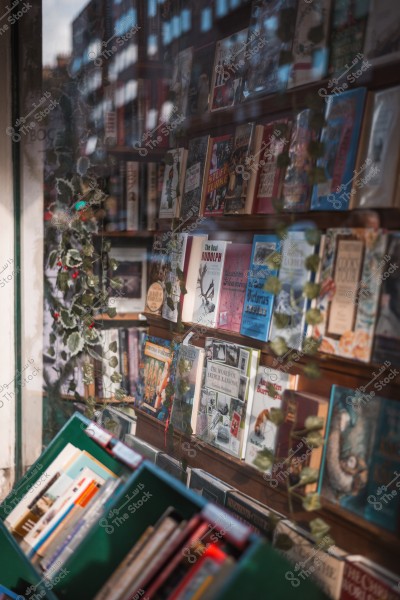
(174, 178)
(290, 304)
(176, 259)
(209, 279)
(191, 277)
(269, 387)
(382, 39)
(132, 271)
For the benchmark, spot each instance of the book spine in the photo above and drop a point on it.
(123, 358)
(132, 196)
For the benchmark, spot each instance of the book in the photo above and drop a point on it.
(310, 559)
(146, 450)
(123, 358)
(157, 273)
(349, 21)
(209, 278)
(242, 179)
(194, 177)
(297, 185)
(200, 80)
(350, 278)
(343, 116)
(310, 43)
(157, 365)
(268, 47)
(297, 454)
(179, 246)
(290, 305)
(209, 486)
(133, 360)
(270, 173)
(151, 196)
(248, 510)
(228, 71)
(189, 298)
(379, 153)
(132, 196)
(258, 304)
(382, 37)
(132, 272)
(226, 398)
(171, 465)
(387, 332)
(217, 175)
(233, 286)
(361, 460)
(261, 440)
(189, 373)
(363, 575)
(118, 422)
(174, 177)
(180, 82)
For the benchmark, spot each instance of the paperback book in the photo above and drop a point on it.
(132, 196)
(349, 21)
(174, 177)
(225, 402)
(200, 80)
(350, 278)
(194, 177)
(217, 175)
(233, 287)
(227, 76)
(258, 304)
(180, 82)
(189, 371)
(158, 357)
(382, 38)
(178, 256)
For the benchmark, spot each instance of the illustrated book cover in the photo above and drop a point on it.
(233, 287)
(189, 372)
(217, 175)
(227, 75)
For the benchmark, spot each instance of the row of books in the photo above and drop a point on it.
(340, 575)
(288, 43)
(223, 396)
(264, 290)
(279, 165)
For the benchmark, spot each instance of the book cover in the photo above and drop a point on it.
(294, 453)
(209, 278)
(194, 177)
(361, 457)
(258, 304)
(133, 360)
(200, 80)
(227, 395)
(268, 47)
(177, 247)
(157, 273)
(157, 367)
(242, 150)
(152, 196)
(290, 304)
(217, 175)
(174, 177)
(382, 38)
(380, 153)
(180, 83)
(349, 20)
(209, 486)
(343, 116)
(132, 196)
(171, 465)
(310, 43)
(248, 510)
(269, 172)
(387, 332)
(362, 576)
(297, 185)
(227, 76)
(189, 298)
(269, 388)
(233, 287)
(350, 278)
(189, 372)
(132, 271)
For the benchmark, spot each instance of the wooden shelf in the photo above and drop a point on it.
(128, 153)
(122, 317)
(353, 534)
(334, 370)
(143, 235)
(102, 401)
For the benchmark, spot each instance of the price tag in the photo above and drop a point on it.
(101, 436)
(127, 455)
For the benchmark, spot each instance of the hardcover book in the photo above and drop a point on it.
(372, 580)
(194, 177)
(297, 185)
(343, 116)
(132, 271)
(258, 304)
(209, 486)
(189, 372)
(227, 76)
(226, 398)
(217, 175)
(379, 154)
(268, 52)
(260, 518)
(157, 368)
(310, 43)
(242, 178)
(270, 173)
(200, 80)
(350, 277)
(349, 20)
(290, 304)
(233, 287)
(174, 177)
(180, 83)
(209, 278)
(269, 387)
(387, 332)
(361, 457)
(382, 38)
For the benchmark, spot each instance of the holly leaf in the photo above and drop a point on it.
(314, 316)
(116, 377)
(310, 345)
(319, 528)
(113, 362)
(52, 258)
(88, 249)
(278, 345)
(120, 394)
(180, 274)
(93, 280)
(272, 285)
(274, 260)
(113, 347)
(94, 354)
(67, 320)
(315, 439)
(313, 236)
(308, 475)
(170, 303)
(311, 290)
(168, 287)
(281, 320)
(276, 416)
(88, 299)
(313, 423)
(73, 258)
(75, 343)
(52, 338)
(112, 312)
(113, 264)
(312, 262)
(116, 283)
(91, 336)
(63, 281)
(312, 370)
(311, 502)
(51, 351)
(182, 287)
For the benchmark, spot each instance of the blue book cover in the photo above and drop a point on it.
(340, 135)
(361, 462)
(258, 303)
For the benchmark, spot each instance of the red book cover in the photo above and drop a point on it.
(217, 170)
(361, 582)
(270, 175)
(233, 290)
